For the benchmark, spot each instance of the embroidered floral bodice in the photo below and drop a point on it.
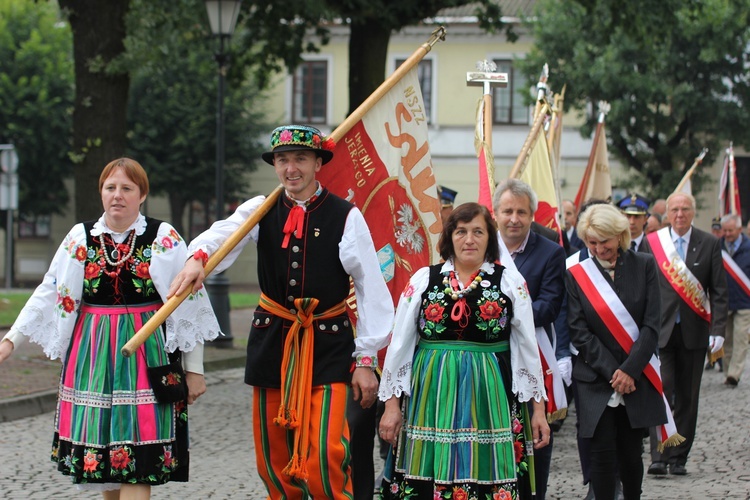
(499, 309)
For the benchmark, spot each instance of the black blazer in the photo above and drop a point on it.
(703, 258)
(636, 284)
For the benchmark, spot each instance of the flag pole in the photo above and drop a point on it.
(732, 177)
(486, 77)
(523, 156)
(690, 171)
(540, 115)
(173, 302)
(603, 110)
(387, 85)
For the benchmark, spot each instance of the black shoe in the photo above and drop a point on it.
(709, 366)
(731, 381)
(677, 469)
(618, 490)
(658, 469)
(590, 494)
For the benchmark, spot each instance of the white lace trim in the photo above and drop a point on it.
(397, 385)
(31, 323)
(203, 329)
(100, 226)
(526, 386)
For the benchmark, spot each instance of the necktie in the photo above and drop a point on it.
(632, 245)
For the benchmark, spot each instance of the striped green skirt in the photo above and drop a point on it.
(108, 426)
(462, 437)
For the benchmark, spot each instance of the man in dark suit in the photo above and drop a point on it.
(542, 264)
(635, 208)
(685, 333)
(737, 247)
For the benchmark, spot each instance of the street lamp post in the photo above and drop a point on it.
(222, 16)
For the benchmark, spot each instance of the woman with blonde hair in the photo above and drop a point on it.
(614, 318)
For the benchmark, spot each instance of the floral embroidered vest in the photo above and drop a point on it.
(129, 283)
(489, 311)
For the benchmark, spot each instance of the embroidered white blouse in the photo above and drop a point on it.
(526, 366)
(357, 255)
(44, 321)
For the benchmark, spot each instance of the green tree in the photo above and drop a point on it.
(101, 94)
(36, 92)
(172, 108)
(670, 69)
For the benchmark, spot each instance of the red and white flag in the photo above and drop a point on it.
(729, 189)
(383, 166)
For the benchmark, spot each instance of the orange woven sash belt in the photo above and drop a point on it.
(297, 372)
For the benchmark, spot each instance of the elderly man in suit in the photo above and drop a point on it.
(542, 264)
(737, 265)
(687, 258)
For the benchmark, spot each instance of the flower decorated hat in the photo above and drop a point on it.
(299, 137)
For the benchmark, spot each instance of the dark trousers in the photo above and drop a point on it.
(615, 445)
(584, 444)
(542, 462)
(362, 444)
(681, 373)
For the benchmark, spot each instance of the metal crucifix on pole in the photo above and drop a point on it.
(486, 77)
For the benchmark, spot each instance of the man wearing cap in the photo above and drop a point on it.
(301, 352)
(635, 208)
(716, 229)
(447, 199)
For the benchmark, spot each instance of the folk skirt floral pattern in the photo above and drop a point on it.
(462, 438)
(108, 426)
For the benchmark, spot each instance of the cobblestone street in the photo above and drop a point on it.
(223, 463)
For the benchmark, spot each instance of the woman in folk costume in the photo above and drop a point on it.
(614, 313)
(108, 277)
(463, 358)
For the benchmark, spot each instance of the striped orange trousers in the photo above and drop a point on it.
(328, 458)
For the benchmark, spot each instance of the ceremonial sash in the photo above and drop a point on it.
(674, 269)
(557, 403)
(735, 272)
(573, 260)
(623, 328)
(296, 374)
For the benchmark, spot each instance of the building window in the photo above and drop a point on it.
(34, 226)
(509, 106)
(309, 92)
(424, 75)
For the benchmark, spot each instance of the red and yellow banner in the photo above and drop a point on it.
(383, 166)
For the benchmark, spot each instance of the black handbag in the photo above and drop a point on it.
(168, 381)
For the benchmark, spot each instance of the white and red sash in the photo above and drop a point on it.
(735, 272)
(623, 328)
(557, 403)
(674, 269)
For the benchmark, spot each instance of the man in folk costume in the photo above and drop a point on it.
(694, 315)
(635, 208)
(301, 353)
(736, 258)
(541, 262)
